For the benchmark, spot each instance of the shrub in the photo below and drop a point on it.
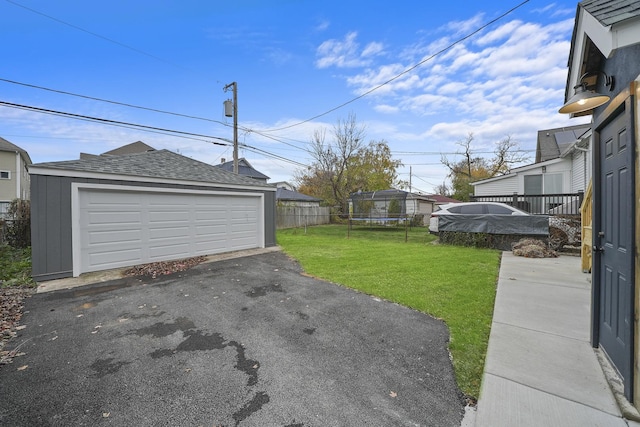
(17, 229)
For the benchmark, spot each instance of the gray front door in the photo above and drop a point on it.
(614, 242)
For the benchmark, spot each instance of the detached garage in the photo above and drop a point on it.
(117, 211)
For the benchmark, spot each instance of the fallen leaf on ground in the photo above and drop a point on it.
(23, 367)
(393, 394)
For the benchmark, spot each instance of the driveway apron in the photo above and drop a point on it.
(243, 342)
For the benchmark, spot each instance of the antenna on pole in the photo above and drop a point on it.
(231, 109)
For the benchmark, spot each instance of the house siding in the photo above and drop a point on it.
(8, 186)
(51, 220)
(508, 185)
(580, 171)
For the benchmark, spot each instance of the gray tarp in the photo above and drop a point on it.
(533, 225)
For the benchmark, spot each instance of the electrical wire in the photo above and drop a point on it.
(124, 104)
(406, 71)
(106, 121)
(142, 52)
(181, 134)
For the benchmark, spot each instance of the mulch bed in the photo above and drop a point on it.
(156, 269)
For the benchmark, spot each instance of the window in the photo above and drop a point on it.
(5, 175)
(473, 209)
(553, 183)
(533, 184)
(548, 183)
(498, 210)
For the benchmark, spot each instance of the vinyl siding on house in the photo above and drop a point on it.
(507, 185)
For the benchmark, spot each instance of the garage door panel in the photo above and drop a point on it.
(123, 228)
(168, 232)
(122, 237)
(114, 256)
(169, 251)
(116, 217)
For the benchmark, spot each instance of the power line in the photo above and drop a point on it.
(406, 71)
(106, 121)
(124, 104)
(142, 52)
(146, 128)
(438, 153)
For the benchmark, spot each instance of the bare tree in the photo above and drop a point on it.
(474, 168)
(346, 164)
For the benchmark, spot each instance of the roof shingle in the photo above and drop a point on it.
(154, 164)
(610, 12)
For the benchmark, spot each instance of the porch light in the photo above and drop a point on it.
(585, 97)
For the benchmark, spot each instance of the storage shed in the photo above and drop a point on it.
(116, 211)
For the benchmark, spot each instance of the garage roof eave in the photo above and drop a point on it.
(47, 171)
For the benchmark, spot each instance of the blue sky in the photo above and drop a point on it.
(293, 60)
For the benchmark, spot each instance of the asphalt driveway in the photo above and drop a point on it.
(243, 342)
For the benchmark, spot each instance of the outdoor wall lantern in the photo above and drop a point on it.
(586, 98)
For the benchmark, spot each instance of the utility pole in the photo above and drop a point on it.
(228, 113)
(410, 173)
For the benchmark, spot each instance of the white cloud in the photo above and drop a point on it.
(322, 25)
(346, 53)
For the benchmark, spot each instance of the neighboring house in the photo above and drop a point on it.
(605, 60)
(441, 200)
(284, 184)
(14, 175)
(244, 168)
(563, 166)
(133, 148)
(285, 197)
(114, 211)
(295, 209)
(389, 205)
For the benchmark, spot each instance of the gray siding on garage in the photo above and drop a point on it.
(270, 218)
(52, 255)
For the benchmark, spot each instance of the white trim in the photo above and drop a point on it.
(606, 39)
(516, 171)
(36, 170)
(8, 173)
(75, 210)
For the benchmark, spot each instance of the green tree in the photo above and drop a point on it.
(475, 168)
(346, 165)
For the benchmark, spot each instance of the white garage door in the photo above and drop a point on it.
(124, 228)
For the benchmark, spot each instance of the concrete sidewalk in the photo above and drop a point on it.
(541, 369)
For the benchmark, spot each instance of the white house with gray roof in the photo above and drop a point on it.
(114, 211)
(563, 166)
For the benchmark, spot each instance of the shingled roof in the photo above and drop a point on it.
(162, 164)
(284, 194)
(611, 12)
(244, 168)
(553, 142)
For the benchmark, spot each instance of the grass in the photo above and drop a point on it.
(455, 284)
(15, 267)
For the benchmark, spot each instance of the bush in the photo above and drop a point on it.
(16, 231)
(502, 242)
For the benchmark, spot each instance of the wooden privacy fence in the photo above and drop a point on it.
(301, 216)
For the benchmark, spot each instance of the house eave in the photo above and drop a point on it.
(607, 39)
(516, 171)
(38, 170)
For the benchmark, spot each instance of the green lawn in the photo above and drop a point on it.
(455, 284)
